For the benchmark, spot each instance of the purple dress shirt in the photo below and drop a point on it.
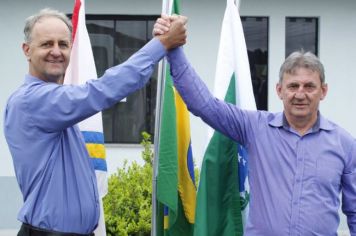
(51, 162)
(295, 181)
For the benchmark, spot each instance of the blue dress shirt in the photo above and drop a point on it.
(51, 162)
(295, 181)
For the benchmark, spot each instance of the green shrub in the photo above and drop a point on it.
(127, 206)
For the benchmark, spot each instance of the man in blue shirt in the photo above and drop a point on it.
(51, 162)
(299, 162)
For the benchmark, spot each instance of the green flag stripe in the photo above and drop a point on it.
(218, 201)
(167, 175)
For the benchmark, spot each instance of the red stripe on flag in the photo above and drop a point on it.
(75, 17)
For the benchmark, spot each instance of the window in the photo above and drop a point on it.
(256, 36)
(114, 39)
(301, 33)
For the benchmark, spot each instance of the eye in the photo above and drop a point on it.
(310, 87)
(46, 44)
(64, 45)
(293, 86)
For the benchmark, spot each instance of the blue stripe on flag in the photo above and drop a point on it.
(99, 164)
(190, 163)
(93, 137)
(243, 167)
(165, 210)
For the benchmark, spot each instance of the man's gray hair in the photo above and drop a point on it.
(301, 59)
(47, 12)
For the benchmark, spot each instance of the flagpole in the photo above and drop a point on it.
(166, 6)
(160, 95)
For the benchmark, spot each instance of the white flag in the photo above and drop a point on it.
(80, 69)
(233, 61)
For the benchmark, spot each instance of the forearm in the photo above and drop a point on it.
(133, 74)
(220, 115)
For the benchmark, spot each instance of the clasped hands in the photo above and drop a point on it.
(171, 30)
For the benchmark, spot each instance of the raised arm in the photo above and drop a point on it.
(224, 117)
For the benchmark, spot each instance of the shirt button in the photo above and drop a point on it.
(295, 203)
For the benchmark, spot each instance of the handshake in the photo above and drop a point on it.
(171, 30)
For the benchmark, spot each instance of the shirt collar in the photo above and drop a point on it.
(32, 79)
(279, 120)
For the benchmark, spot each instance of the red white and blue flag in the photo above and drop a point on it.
(80, 69)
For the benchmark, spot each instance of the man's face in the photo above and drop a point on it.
(301, 93)
(49, 50)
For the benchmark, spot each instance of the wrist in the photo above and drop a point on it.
(164, 40)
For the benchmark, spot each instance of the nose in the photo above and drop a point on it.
(56, 51)
(300, 94)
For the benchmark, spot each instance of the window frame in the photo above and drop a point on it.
(260, 105)
(149, 109)
(317, 32)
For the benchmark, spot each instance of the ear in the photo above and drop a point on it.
(26, 50)
(324, 91)
(279, 90)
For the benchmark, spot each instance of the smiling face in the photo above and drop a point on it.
(301, 93)
(48, 51)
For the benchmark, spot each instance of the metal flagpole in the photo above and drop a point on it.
(166, 6)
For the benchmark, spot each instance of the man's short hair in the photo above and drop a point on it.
(47, 12)
(301, 59)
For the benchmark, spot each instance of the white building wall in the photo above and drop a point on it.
(337, 38)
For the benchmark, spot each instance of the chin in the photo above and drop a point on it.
(300, 113)
(55, 78)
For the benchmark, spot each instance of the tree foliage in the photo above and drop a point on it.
(127, 206)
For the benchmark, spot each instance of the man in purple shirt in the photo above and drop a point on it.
(51, 162)
(299, 162)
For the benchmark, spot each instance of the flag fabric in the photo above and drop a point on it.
(222, 198)
(176, 191)
(80, 69)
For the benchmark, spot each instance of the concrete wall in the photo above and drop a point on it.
(337, 38)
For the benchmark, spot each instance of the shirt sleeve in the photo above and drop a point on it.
(349, 190)
(54, 107)
(222, 116)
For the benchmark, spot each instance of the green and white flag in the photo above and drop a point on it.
(222, 200)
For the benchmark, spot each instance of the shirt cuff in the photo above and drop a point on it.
(176, 59)
(155, 49)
